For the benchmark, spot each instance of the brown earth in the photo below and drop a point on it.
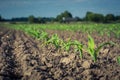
(23, 58)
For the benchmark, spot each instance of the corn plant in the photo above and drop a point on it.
(55, 40)
(91, 47)
(44, 36)
(67, 45)
(79, 48)
(36, 34)
(33, 32)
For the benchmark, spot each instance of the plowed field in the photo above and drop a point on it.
(23, 58)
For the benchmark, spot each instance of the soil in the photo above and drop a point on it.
(23, 58)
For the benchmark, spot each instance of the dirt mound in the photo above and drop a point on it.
(23, 58)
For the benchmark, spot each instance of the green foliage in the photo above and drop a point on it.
(102, 45)
(118, 59)
(43, 36)
(55, 40)
(67, 44)
(94, 51)
(31, 19)
(91, 48)
(100, 28)
(95, 17)
(36, 33)
(117, 18)
(109, 18)
(34, 30)
(79, 47)
(65, 14)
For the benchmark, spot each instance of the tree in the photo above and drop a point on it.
(88, 16)
(95, 17)
(117, 18)
(40, 20)
(22, 19)
(78, 18)
(98, 18)
(65, 14)
(109, 18)
(31, 19)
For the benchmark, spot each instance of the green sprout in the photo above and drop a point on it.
(43, 36)
(36, 34)
(67, 45)
(79, 48)
(55, 40)
(91, 47)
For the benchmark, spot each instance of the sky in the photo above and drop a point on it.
(51, 8)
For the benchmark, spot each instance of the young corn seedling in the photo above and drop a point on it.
(94, 51)
(79, 48)
(36, 34)
(67, 45)
(55, 40)
(33, 32)
(44, 36)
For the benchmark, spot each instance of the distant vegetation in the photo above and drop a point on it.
(102, 29)
(38, 32)
(66, 17)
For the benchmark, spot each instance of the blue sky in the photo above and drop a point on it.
(51, 8)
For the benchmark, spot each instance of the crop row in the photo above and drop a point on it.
(58, 43)
(66, 45)
(110, 30)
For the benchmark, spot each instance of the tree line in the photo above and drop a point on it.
(66, 16)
